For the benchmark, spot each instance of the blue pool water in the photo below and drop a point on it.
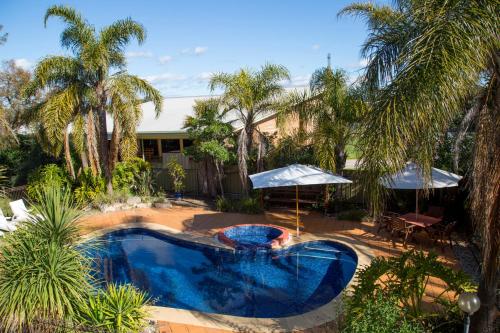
(186, 275)
(252, 236)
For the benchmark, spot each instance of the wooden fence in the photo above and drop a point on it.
(232, 185)
(16, 193)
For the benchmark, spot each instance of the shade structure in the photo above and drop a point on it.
(411, 178)
(295, 175)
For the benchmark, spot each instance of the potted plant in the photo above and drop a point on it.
(177, 173)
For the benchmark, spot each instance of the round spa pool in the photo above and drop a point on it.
(252, 236)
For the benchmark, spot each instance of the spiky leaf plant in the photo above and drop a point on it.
(117, 309)
(42, 274)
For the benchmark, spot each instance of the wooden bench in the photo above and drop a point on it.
(287, 195)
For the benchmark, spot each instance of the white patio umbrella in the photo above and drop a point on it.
(295, 175)
(411, 178)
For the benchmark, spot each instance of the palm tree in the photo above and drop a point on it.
(250, 94)
(94, 83)
(424, 60)
(211, 136)
(327, 114)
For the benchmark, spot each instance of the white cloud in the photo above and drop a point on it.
(165, 59)
(139, 54)
(205, 76)
(23, 63)
(316, 47)
(200, 50)
(363, 62)
(298, 81)
(164, 77)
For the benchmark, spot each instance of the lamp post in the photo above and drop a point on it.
(468, 303)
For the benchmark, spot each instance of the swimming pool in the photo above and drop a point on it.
(261, 284)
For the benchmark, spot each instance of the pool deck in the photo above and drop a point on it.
(199, 224)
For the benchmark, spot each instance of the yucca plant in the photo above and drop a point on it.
(39, 280)
(55, 216)
(43, 276)
(117, 309)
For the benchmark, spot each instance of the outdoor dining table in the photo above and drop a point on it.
(420, 220)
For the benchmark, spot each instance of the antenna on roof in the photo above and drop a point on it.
(329, 60)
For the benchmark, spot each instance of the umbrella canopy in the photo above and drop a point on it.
(295, 175)
(411, 178)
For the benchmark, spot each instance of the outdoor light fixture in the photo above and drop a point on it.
(468, 303)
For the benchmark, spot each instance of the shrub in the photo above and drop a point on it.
(177, 174)
(117, 309)
(353, 215)
(405, 278)
(56, 216)
(103, 198)
(4, 205)
(380, 315)
(89, 187)
(245, 205)
(46, 176)
(125, 173)
(144, 183)
(42, 274)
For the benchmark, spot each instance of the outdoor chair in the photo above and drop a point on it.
(442, 232)
(384, 221)
(398, 227)
(5, 224)
(19, 211)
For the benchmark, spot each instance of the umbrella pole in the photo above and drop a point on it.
(297, 207)
(416, 203)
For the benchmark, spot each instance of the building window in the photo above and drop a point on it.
(187, 143)
(170, 146)
(150, 149)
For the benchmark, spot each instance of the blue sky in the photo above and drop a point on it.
(187, 40)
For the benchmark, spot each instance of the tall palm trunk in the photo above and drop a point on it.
(218, 168)
(486, 204)
(103, 139)
(67, 154)
(115, 142)
(92, 152)
(242, 160)
(84, 159)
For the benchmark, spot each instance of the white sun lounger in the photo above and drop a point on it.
(6, 225)
(19, 211)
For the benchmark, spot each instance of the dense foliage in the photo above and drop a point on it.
(85, 87)
(126, 173)
(45, 278)
(246, 205)
(405, 278)
(21, 159)
(177, 175)
(328, 115)
(381, 315)
(116, 309)
(49, 175)
(427, 62)
(42, 273)
(250, 95)
(212, 138)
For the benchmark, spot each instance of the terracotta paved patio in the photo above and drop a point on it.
(207, 222)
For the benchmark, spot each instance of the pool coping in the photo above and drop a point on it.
(325, 313)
